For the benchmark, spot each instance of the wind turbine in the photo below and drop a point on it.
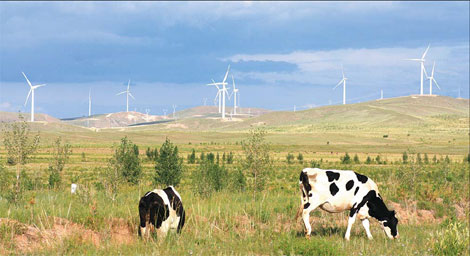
(217, 96)
(128, 93)
(89, 102)
(174, 111)
(431, 79)
(235, 92)
(222, 91)
(344, 85)
(31, 91)
(423, 70)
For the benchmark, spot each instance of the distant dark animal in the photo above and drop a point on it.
(338, 191)
(161, 210)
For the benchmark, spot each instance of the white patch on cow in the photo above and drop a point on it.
(176, 192)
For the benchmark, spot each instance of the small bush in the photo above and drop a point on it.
(230, 158)
(208, 178)
(368, 160)
(405, 157)
(300, 158)
(452, 239)
(356, 159)
(125, 161)
(192, 157)
(237, 180)
(315, 164)
(290, 158)
(346, 159)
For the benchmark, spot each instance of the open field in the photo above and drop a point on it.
(430, 198)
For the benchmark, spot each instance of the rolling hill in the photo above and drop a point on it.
(112, 120)
(8, 117)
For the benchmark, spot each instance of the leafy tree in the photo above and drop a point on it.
(60, 155)
(418, 159)
(202, 157)
(378, 159)
(192, 157)
(300, 158)
(125, 161)
(346, 159)
(356, 159)
(368, 160)
(257, 161)
(209, 177)
(230, 158)
(149, 153)
(20, 145)
(447, 159)
(289, 158)
(426, 158)
(405, 157)
(315, 164)
(169, 166)
(434, 159)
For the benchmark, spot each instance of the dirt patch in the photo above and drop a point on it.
(410, 214)
(30, 238)
(176, 126)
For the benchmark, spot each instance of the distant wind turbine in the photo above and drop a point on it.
(423, 70)
(174, 111)
(31, 91)
(128, 93)
(431, 79)
(222, 91)
(344, 85)
(89, 102)
(235, 92)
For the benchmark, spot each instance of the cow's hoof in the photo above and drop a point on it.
(307, 236)
(347, 238)
(369, 237)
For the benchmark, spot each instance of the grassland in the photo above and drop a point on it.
(430, 198)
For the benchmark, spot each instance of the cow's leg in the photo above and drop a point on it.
(365, 223)
(352, 218)
(308, 207)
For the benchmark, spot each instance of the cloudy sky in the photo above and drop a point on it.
(281, 53)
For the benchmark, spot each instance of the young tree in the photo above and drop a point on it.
(418, 159)
(368, 160)
(356, 159)
(346, 159)
(257, 161)
(60, 154)
(300, 158)
(20, 144)
(378, 160)
(125, 161)
(230, 158)
(192, 157)
(169, 166)
(426, 158)
(405, 157)
(289, 158)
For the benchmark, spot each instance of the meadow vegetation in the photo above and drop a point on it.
(241, 197)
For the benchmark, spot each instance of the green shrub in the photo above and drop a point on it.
(405, 157)
(209, 177)
(192, 157)
(257, 161)
(237, 180)
(300, 158)
(169, 166)
(368, 160)
(230, 158)
(346, 159)
(60, 155)
(125, 161)
(315, 164)
(452, 239)
(290, 158)
(356, 159)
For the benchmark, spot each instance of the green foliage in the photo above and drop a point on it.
(447, 159)
(418, 159)
(290, 158)
(300, 158)
(257, 161)
(346, 159)
(125, 161)
(426, 158)
(20, 145)
(209, 177)
(152, 154)
(290, 245)
(60, 155)
(83, 157)
(315, 164)
(230, 158)
(368, 160)
(192, 157)
(452, 239)
(169, 166)
(378, 160)
(356, 159)
(405, 157)
(237, 180)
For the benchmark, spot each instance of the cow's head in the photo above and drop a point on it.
(390, 225)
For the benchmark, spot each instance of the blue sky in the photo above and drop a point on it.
(281, 53)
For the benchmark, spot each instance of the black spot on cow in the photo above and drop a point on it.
(306, 205)
(153, 209)
(332, 176)
(364, 200)
(333, 189)
(349, 185)
(357, 189)
(310, 195)
(304, 180)
(361, 177)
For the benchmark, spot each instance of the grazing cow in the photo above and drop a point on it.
(337, 191)
(162, 209)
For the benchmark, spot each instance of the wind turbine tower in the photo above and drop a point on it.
(174, 111)
(128, 93)
(381, 94)
(431, 79)
(31, 91)
(235, 92)
(423, 70)
(343, 81)
(89, 103)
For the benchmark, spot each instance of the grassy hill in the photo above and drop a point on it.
(120, 119)
(8, 117)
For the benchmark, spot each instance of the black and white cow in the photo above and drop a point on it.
(162, 209)
(338, 191)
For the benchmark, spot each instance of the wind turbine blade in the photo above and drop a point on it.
(425, 73)
(217, 95)
(436, 83)
(342, 70)
(226, 74)
(338, 83)
(413, 59)
(432, 72)
(233, 82)
(121, 93)
(39, 85)
(27, 97)
(128, 84)
(425, 52)
(130, 94)
(30, 85)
